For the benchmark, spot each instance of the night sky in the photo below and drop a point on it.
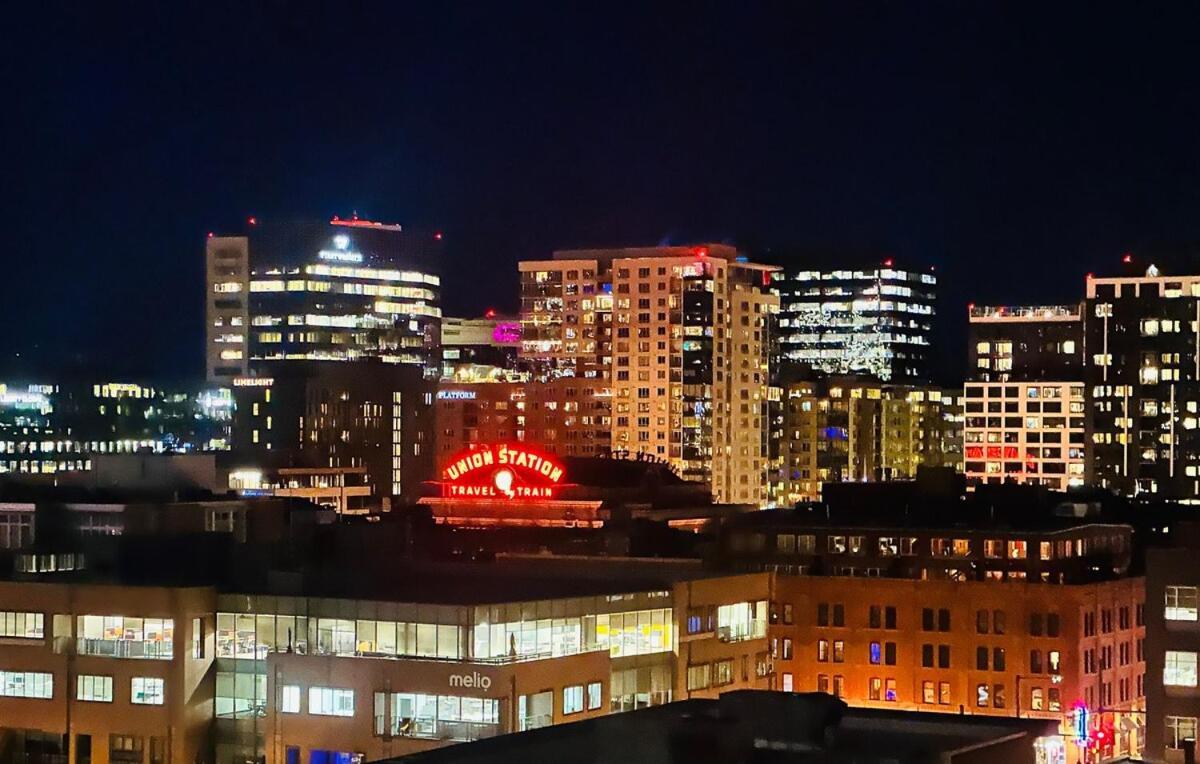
(1013, 146)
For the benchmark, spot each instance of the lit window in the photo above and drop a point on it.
(146, 691)
(289, 699)
(97, 689)
(330, 701)
(1181, 603)
(1179, 669)
(572, 699)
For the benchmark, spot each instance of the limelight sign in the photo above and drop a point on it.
(503, 471)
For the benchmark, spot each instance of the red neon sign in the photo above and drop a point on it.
(509, 472)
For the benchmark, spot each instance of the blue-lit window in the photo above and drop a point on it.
(875, 653)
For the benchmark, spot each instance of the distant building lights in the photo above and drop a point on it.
(341, 241)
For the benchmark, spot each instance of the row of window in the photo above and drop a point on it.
(91, 688)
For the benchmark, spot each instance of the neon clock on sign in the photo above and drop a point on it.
(501, 471)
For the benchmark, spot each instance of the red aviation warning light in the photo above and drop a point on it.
(1127, 258)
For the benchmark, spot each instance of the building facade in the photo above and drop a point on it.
(1172, 646)
(344, 290)
(1143, 373)
(681, 335)
(988, 621)
(851, 429)
(568, 416)
(1025, 343)
(324, 414)
(1025, 432)
(875, 320)
(480, 349)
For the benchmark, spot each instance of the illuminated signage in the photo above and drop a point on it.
(338, 256)
(253, 381)
(501, 472)
(474, 679)
(1080, 722)
(456, 395)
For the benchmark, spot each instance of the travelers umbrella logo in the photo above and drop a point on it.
(501, 471)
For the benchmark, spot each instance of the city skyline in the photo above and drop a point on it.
(1025, 149)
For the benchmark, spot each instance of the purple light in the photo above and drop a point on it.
(506, 332)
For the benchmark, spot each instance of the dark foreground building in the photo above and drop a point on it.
(752, 725)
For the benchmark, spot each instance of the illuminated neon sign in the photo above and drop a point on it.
(1080, 722)
(456, 395)
(501, 471)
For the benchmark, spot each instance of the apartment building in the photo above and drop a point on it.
(681, 334)
(853, 429)
(335, 417)
(1025, 343)
(1143, 374)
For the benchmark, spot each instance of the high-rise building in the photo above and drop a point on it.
(682, 334)
(872, 319)
(337, 416)
(1025, 398)
(1025, 343)
(856, 430)
(1143, 373)
(342, 290)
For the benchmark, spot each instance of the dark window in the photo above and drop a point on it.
(943, 620)
(839, 615)
(873, 617)
(943, 656)
(998, 622)
(823, 614)
(1035, 661)
(998, 662)
(889, 653)
(927, 619)
(889, 617)
(1035, 624)
(927, 656)
(981, 658)
(981, 621)
(1052, 625)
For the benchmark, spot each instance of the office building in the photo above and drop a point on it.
(338, 417)
(874, 319)
(1143, 374)
(1031, 620)
(57, 430)
(481, 349)
(343, 290)
(854, 429)
(681, 334)
(1172, 645)
(1025, 432)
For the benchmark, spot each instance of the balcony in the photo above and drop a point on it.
(121, 648)
(437, 729)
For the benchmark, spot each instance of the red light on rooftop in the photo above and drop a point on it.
(1091, 276)
(1127, 258)
(437, 236)
(701, 251)
(490, 313)
(210, 234)
(252, 220)
(970, 306)
(888, 263)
